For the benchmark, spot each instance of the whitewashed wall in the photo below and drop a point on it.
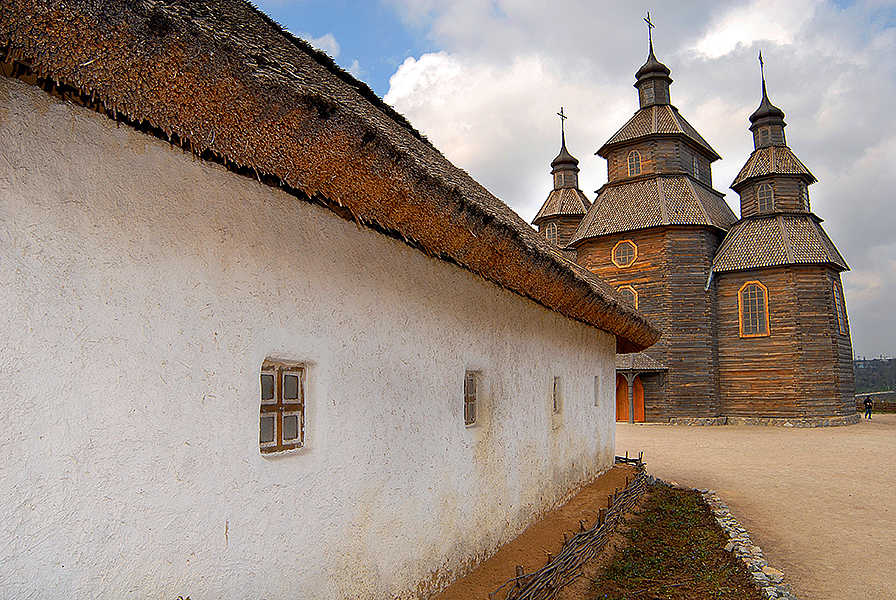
(141, 291)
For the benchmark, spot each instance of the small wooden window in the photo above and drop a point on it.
(556, 396)
(753, 309)
(282, 419)
(765, 198)
(550, 232)
(629, 293)
(804, 195)
(634, 163)
(765, 136)
(471, 385)
(841, 311)
(696, 166)
(624, 253)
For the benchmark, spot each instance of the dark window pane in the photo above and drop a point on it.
(267, 429)
(290, 387)
(267, 386)
(290, 427)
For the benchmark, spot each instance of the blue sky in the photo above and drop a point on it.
(484, 79)
(368, 34)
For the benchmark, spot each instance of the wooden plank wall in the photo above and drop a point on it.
(671, 294)
(667, 156)
(803, 368)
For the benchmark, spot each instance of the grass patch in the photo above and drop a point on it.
(674, 551)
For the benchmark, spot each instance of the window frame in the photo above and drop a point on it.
(471, 398)
(768, 206)
(765, 136)
(634, 163)
(634, 255)
(761, 313)
(550, 233)
(627, 288)
(278, 406)
(696, 164)
(840, 308)
(556, 398)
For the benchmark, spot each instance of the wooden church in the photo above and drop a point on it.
(752, 311)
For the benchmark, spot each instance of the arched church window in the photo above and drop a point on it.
(753, 308)
(629, 293)
(624, 253)
(550, 232)
(765, 198)
(634, 163)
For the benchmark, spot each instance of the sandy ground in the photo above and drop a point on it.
(821, 502)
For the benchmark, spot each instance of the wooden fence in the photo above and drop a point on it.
(545, 583)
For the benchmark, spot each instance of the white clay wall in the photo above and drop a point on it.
(141, 291)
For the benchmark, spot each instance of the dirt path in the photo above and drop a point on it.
(531, 549)
(820, 502)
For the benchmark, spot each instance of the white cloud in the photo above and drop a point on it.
(763, 20)
(500, 123)
(489, 103)
(326, 42)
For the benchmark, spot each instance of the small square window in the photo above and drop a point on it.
(471, 391)
(282, 418)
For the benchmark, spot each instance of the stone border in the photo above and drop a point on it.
(770, 581)
(771, 422)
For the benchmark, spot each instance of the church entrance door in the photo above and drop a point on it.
(622, 399)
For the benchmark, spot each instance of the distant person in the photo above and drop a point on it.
(868, 406)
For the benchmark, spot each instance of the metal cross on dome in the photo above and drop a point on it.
(562, 121)
(761, 66)
(650, 27)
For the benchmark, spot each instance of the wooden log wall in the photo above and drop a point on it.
(669, 275)
(667, 156)
(787, 193)
(803, 368)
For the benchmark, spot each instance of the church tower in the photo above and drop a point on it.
(784, 346)
(652, 233)
(565, 206)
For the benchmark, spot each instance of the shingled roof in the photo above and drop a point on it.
(232, 86)
(772, 160)
(656, 119)
(771, 241)
(652, 202)
(563, 202)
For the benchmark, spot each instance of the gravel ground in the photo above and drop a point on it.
(820, 502)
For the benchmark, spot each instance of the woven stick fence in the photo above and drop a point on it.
(545, 583)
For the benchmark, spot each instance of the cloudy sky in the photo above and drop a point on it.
(484, 79)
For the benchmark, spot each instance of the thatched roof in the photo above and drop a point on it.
(232, 86)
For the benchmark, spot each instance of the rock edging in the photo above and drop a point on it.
(770, 421)
(769, 580)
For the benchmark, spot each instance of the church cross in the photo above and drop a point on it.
(650, 27)
(761, 66)
(562, 122)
